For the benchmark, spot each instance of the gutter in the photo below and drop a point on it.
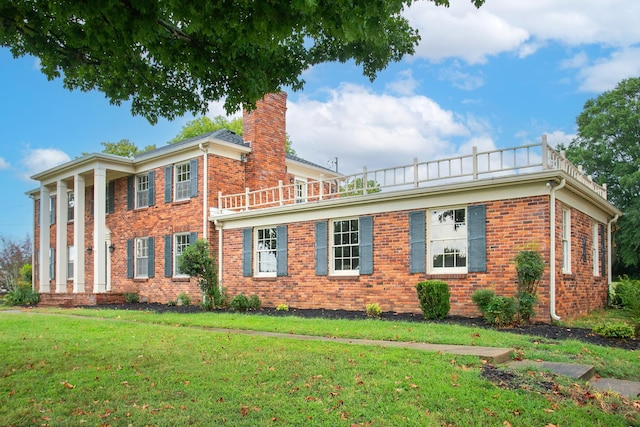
(552, 242)
(219, 228)
(205, 188)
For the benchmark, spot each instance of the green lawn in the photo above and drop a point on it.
(101, 367)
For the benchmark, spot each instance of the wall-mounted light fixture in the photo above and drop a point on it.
(243, 158)
(112, 248)
(90, 250)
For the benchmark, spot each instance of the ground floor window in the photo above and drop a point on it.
(595, 255)
(448, 240)
(345, 247)
(142, 257)
(71, 259)
(266, 245)
(181, 242)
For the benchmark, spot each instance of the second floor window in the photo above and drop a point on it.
(142, 191)
(183, 181)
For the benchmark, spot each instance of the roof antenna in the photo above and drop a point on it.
(334, 163)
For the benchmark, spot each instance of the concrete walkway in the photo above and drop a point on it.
(493, 355)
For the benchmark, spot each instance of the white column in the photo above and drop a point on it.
(45, 237)
(99, 230)
(78, 233)
(62, 218)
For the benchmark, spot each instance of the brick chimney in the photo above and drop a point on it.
(265, 129)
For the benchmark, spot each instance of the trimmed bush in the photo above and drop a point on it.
(239, 303)
(615, 330)
(183, 299)
(373, 310)
(131, 298)
(282, 307)
(434, 298)
(254, 302)
(21, 295)
(501, 311)
(482, 298)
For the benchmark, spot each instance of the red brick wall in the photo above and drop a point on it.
(512, 225)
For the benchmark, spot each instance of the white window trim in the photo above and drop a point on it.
(332, 270)
(445, 270)
(138, 191)
(175, 254)
(595, 250)
(175, 181)
(256, 256)
(136, 274)
(566, 241)
(71, 200)
(302, 184)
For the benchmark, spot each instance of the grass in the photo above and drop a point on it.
(102, 367)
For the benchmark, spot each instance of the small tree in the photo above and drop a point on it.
(196, 262)
(529, 269)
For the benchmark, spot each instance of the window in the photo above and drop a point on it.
(266, 244)
(181, 243)
(300, 190)
(142, 257)
(52, 210)
(71, 259)
(448, 240)
(70, 204)
(142, 191)
(183, 181)
(566, 241)
(595, 250)
(52, 263)
(345, 248)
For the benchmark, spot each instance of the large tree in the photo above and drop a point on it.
(608, 147)
(175, 56)
(14, 255)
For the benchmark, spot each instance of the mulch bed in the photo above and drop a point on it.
(546, 332)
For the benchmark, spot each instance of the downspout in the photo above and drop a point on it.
(205, 189)
(609, 268)
(552, 254)
(219, 228)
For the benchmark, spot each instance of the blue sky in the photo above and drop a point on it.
(500, 76)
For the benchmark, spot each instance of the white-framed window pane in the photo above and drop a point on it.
(448, 240)
(142, 257)
(566, 241)
(345, 248)
(300, 190)
(182, 181)
(266, 250)
(142, 191)
(181, 243)
(595, 250)
(71, 259)
(52, 263)
(71, 202)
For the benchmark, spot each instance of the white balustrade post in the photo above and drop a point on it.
(246, 199)
(280, 192)
(364, 180)
(416, 175)
(475, 162)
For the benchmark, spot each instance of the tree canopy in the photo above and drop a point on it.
(170, 57)
(608, 147)
(124, 148)
(14, 255)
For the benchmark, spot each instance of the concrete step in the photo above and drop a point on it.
(623, 387)
(571, 370)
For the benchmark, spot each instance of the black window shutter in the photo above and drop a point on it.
(247, 249)
(365, 230)
(321, 248)
(152, 188)
(111, 191)
(151, 242)
(168, 183)
(168, 256)
(603, 247)
(477, 239)
(131, 192)
(417, 242)
(281, 251)
(193, 178)
(130, 259)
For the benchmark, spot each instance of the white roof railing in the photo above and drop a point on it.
(474, 166)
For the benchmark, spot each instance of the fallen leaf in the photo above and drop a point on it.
(244, 411)
(67, 385)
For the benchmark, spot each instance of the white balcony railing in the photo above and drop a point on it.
(474, 166)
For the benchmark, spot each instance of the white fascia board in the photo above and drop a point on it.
(84, 166)
(305, 170)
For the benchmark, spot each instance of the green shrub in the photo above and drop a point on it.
(373, 310)
(434, 298)
(529, 270)
(501, 311)
(172, 303)
(482, 298)
(615, 330)
(628, 294)
(240, 303)
(183, 299)
(21, 295)
(254, 302)
(525, 306)
(282, 307)
(131, 297)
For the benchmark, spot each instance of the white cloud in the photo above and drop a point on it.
(460, 79)
(405, 84)
(40, 159)
(363, 128)
(4, 164)
(605, 74)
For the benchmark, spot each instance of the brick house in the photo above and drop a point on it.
(293, 232)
